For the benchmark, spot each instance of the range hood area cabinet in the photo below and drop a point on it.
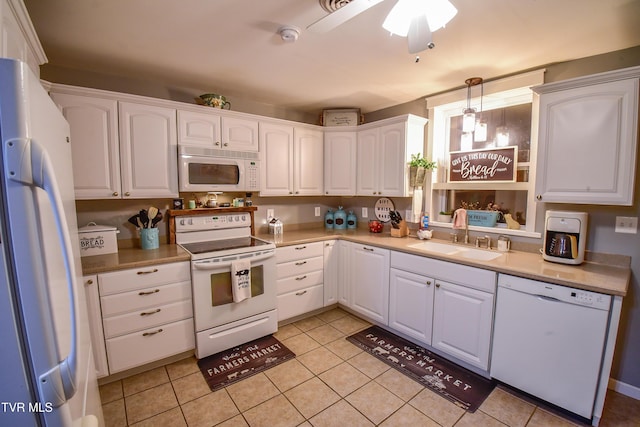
(212, 130)
(120, 149)
(372, 159)
(587, 142)
(291, 160)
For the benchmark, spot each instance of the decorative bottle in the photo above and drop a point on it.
(328, 220)
(340, 219)
(352, 221)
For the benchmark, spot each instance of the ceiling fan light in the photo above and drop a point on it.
(399, 18)
(439, 13)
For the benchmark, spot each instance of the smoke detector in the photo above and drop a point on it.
(289, 33)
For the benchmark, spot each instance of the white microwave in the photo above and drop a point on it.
(208, 169)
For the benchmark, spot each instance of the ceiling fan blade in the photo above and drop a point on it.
(342, 15)
(419, 37)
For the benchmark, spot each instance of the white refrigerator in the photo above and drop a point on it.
(47, 374)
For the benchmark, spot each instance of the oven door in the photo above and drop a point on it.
(212, 295)
(202, 173)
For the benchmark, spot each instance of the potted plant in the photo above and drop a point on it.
(444, 216)
(417, 169)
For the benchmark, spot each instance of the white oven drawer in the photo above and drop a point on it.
(299, 302)
(300, 266)
(143, 298)
(304, 280)
(138, 348)
(292, 253)
(147, 318)
(143, 277)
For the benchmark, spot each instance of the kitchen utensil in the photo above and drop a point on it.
(157, 219)
(144, 218)
(135, 220)
(152, 212)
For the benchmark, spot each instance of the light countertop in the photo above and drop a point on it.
(592, 276)
(133, 258)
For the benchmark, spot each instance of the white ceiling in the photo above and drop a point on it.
(231, 47)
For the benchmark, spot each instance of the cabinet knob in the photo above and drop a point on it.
(226, 144)
(290, 192)
(127, 194)
(115, 194)
(539, 196)
(437, 285)
(428, 282)
(217, 143)
(89, 282)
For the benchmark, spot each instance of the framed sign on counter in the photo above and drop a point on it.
(486, 165)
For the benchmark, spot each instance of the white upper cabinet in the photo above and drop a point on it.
(95, 146)
(18, 38)
(148, 150)
(340, 163)
(587, 144)
(383, 153)
(211, 129)
(308, 165)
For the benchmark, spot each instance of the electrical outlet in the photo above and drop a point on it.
(627, 224)
(270, 213)
(317, 211)
(365, 213)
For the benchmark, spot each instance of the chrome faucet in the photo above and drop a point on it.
(466, 229)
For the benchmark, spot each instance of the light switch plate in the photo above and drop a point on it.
(627, 224)
(365, 213)
(317, 211)
(270, 213)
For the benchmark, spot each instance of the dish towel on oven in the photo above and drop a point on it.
(241, 280)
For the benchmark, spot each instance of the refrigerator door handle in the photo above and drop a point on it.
(29, 163)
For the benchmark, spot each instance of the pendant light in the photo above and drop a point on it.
(480, 130)
(502, 132)
(469, 113)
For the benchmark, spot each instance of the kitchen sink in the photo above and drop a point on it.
(456, 250)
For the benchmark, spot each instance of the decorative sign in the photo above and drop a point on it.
(489, 165)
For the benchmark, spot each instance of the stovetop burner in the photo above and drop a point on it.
(212, 246)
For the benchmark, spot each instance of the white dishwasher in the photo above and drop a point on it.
(549, 340)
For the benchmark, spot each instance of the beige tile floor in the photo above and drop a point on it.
(330, 383)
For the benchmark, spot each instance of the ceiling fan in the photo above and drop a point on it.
(414, 19)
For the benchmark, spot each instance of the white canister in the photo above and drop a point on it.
(97, 239)
(504, 244)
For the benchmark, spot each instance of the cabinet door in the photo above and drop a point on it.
(199, 129)
(95, 325)
(369, 279)
(367, 163)
(95, 150)
(462, 319)
(340, 163)
(392, 165)
(276, 149)
(239, 134)
(587, 144)
(331, 272)
(411, 304)
(148, 151)
(344, 272)
(308, 162)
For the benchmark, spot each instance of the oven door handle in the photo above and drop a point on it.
(208, 265)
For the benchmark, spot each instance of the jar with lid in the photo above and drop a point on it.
(340, 219)
(352, 221)
(328, 219)
(212, 200)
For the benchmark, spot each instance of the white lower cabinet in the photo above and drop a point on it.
(462, 319)
(95, 325)
(331, 272)
(369, 281)
(300, 271)
(147, 314)
(411, 304)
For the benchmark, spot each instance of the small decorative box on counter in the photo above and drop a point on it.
(97, 239)
(483, 218)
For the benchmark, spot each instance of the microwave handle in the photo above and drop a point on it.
(208, 265)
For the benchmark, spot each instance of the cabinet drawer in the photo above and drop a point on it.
(143, 298)
(300, 266)
(137, 278)
(147, 318)
(471, 277)
(299, 302)
(292, 253)
(294, 283)
(138, 348)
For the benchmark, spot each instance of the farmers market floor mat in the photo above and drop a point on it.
(237, 363)
(459, 385)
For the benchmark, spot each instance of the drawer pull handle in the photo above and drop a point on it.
(301, 293)
(367, 249)
(155, 270)
(301, 263)
(301, 277)
(298, 248)
(149, 313)
(149, 292)
(148, 334)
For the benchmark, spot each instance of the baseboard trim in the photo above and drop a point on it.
(626, 389)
